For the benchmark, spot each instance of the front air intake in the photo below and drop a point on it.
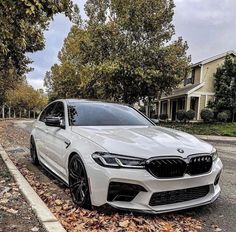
(118, 191)
(177, 196)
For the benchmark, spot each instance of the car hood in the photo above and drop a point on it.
(143, 141)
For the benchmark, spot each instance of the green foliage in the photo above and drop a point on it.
(225, 86)
(229, 114)
(122, 52)
(207, 115)
(22, 24)
(222, 117)
(189, 115)
(181, 115)
(164, 116)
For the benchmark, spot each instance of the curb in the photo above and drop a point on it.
(217, 138)
(45, 216)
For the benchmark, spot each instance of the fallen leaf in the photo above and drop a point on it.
(7, 189)
(58, 202)
(217, 229)
(9, 210)
(35, 229)
(124, 224)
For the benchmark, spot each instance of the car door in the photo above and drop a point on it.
(41, 132)
(57, 142)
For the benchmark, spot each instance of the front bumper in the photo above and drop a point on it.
(100, 178)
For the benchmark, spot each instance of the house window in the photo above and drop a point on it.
(190, 78)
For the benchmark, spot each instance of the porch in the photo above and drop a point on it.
(171, 106)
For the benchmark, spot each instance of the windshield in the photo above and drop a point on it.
(104, 114)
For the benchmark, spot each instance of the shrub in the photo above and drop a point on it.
(164, 116)
(228, 112)
(222, 117)
(181, 115)
(189, 115)
(207, 115)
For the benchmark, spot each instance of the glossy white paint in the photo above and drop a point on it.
(138, 141)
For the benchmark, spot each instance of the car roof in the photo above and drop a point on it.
(74, 100)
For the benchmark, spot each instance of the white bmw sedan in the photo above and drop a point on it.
(112, 154)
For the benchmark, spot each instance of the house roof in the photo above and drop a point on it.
(183, 91)
(219, 56)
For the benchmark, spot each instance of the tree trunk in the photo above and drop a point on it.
(9, 112)
(29, 113)
(14, 113)
(20, 113)
(34, 114)
(148, 108)
(3, 111)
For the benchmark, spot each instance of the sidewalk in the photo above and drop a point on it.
(217, 138)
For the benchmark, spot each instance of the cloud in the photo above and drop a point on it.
(54, 36)
(208, 26)
(37, 84)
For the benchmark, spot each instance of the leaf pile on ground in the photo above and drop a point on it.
(11, 135)
(77, 219)
(15, 212)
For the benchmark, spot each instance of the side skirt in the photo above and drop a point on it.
(54, 174)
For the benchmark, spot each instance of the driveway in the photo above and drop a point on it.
(222, 212)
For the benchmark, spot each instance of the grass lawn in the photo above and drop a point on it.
(222, 129)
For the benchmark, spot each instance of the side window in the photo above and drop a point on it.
(47, 112)
(59, 110)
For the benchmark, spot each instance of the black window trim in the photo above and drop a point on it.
(54, 102)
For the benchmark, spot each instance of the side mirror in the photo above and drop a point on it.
(156, 121)
(54, 122)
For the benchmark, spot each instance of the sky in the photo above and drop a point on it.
(209, 27)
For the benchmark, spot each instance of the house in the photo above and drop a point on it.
(195, 91)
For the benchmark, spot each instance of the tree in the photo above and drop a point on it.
(25, 97)
(22, 24)
(122, 52)
(225, 87)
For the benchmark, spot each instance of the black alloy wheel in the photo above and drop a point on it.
(78, 182)
(33, 152)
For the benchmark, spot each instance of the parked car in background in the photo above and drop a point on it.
(111, 154)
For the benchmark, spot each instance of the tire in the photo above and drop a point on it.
(78, 183)
(33, 152)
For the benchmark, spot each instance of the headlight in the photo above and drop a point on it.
(214, 154)
(118, 161)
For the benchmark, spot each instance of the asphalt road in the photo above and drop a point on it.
(222, 212)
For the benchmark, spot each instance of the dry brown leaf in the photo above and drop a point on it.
(217, 229)
(124, 223)
(58, 202)
(35, 229)
(9, 210)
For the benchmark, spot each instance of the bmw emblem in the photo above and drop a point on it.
(180, 150)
